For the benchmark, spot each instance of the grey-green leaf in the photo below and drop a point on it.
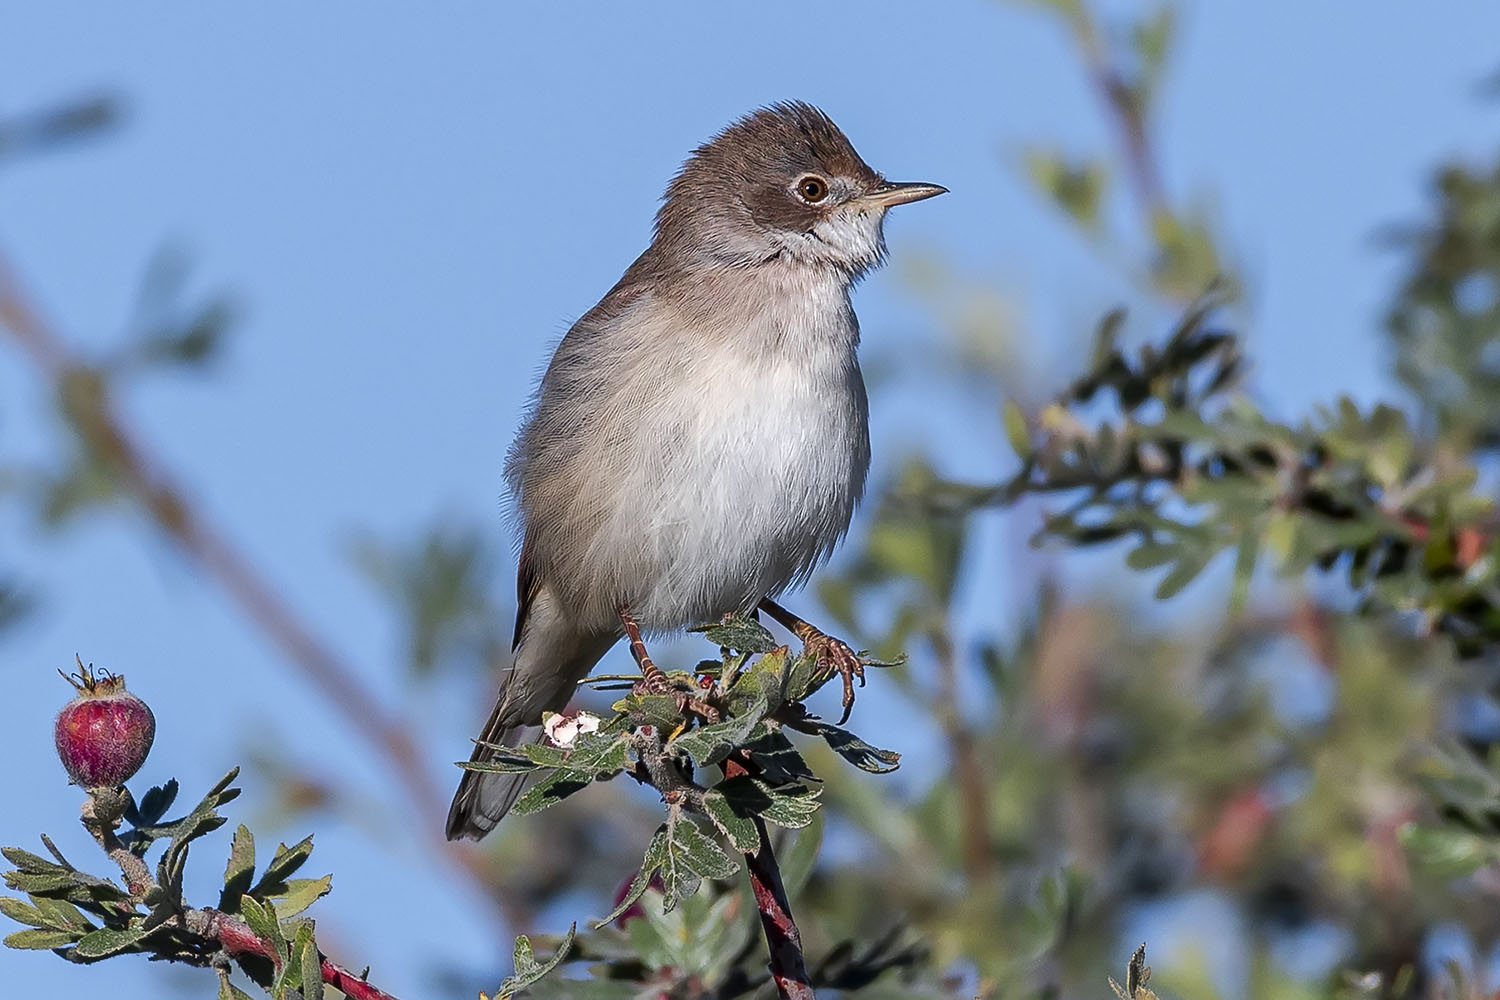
(37, 939)
(737, 828)
(528, 970)
(710, 744)
(108, 941)
(740, 633)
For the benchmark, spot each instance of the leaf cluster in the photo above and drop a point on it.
(87, 918)
(715, 745)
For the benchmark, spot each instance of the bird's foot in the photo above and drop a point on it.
(834, 655)
(658, 682)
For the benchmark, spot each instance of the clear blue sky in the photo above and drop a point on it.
(411, 203)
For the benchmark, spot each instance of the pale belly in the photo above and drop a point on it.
(736, 500)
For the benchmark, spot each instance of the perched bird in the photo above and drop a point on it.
(700, 438)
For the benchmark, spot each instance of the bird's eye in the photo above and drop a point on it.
(812, 188)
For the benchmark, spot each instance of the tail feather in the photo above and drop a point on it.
(484, 797)
(552, 656)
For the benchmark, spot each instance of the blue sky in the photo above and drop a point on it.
(410, 203)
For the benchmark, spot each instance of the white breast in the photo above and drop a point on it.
(747, 467)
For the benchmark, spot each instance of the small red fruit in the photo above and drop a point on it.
(104, 734)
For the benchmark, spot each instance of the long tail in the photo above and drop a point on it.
(483, 798)
(551, 658)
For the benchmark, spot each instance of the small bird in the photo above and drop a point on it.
(701, 436)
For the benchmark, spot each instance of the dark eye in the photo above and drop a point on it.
(812, 188)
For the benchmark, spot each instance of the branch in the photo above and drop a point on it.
(236, 938)
(788, 968)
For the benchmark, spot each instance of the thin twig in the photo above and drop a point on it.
(784, 941)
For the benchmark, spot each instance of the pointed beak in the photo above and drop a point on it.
(890, 194)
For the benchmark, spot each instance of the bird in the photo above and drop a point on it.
(700, 438)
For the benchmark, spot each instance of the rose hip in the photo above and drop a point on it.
(104, 734)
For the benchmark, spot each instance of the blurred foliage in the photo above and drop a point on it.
(1443, 321)
(443, 587)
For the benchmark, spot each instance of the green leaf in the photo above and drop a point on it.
(1191, 562)
(710, 744)
(791, 806)
(60, 913)
(25, 882)
(25, 861)
(1077, 189)
(690, 856)
(1443, 851)
(108, 941)
(23, 913)
(779, 761)
(502, 760)
(700, 853)
(1150, 555)
(599, 754)
(263, 922)
(549, 791)
(37, 939)
(655, 850)
(645, 709)
(853, 749)
(312, 970)
(1016, 430)
(154, 804)
(766, 679)
(740, 633)
(284, 862)
(300, 893)
(202, 820)
(239, 871)
(738, 829)
(528, 971)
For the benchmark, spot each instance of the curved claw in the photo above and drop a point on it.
(836, 655)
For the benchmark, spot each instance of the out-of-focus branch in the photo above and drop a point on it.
(66, 122)
(1123, 105)
(973, 789)
(92, 415)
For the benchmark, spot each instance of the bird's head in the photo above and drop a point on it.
(781, 183)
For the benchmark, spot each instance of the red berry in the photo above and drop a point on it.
(104, 734)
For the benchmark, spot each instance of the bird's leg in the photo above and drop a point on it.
(651, 675)
(654, 680)
(832, 654)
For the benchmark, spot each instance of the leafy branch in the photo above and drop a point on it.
(256, 924)
(1161, 452)
(725, 777)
